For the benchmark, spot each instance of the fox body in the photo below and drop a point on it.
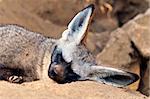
(23, 53)
(27, 56)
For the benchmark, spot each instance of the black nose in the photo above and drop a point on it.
(52, 74)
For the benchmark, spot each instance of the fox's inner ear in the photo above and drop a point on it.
(111, 76)
(78, 25)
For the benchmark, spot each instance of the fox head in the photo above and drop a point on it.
(72, 61)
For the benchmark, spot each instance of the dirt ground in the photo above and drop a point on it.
(48, 89)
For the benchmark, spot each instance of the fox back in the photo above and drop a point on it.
(22, 53)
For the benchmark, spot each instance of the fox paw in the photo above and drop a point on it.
(15, 79)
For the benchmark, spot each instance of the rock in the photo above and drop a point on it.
(58, 12)
(49, 90)
(139, 32)
(20, 14)
(118, 48)
(96, 41)
(116, 52)
(61, 12)
(51, 16)
(111, 14)
(126, 10)
(120, 52)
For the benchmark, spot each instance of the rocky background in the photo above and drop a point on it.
(119, 36)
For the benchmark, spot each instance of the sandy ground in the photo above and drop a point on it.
(47, 89)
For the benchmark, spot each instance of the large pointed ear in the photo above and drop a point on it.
(78, 25)
(111, 76)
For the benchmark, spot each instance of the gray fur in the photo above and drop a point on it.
(74, 54)
(26, 56)
(23, 49)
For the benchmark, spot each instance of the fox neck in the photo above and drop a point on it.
(83, 60)
(47, 44)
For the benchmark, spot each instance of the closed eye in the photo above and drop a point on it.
(57, 57)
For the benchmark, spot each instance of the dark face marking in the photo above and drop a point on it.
(59, 70)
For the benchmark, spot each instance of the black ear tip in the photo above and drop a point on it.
(135, 77)
(90, 6)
